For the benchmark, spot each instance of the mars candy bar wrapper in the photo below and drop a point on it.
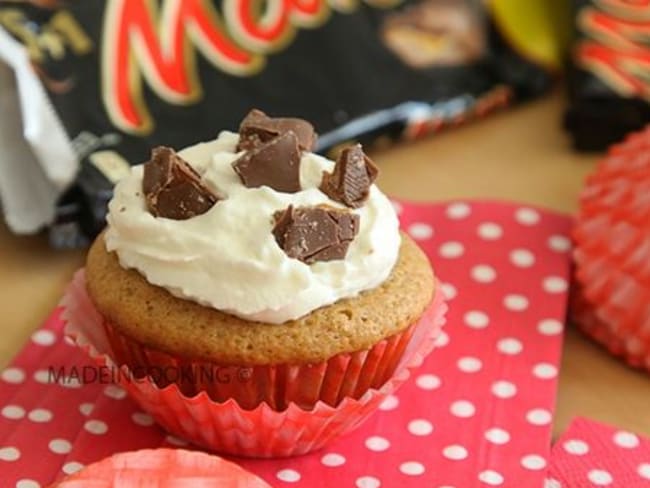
(609, 82)
(92, 85)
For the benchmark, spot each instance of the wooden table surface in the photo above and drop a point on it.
(521, 154)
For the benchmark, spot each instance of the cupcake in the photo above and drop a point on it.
(250, 272)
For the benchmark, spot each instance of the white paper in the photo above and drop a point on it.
(37, 162)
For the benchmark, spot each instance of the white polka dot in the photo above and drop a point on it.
(458, 210)
(420, 427)
(515, 302)
(397, 207)
(626, 440)
(377, 444)
(176, 441)
(545, 371)
(552, 483)
(469, 364)
(43, 337)
(96, 427)
(13, 412)
(143, 419)
(490, 231)
(391, 402)
(72, 467)
(451, 249)
(527, 216)
(555, 284)
(420, 231)
(40, 415)
(539, 416)
(411, 468)
(13, 375)
(522, 258)
(504, 389)
(28, 484)
(428, 381)
(60, 446)
(42, 376)
(550, 327)
(9, 454)
(533, 462)
(288, 475)
(490, 477)
(368, 482)
(497, 436)
(510, 346)
(332, 460)
(462, 408)
(70, 382)
(576, 447)
(559, 243)
(115, 392)
(644, 470)
(86, 409)
(442, 340)
(455, 452)
(476, 319)
(483, 273)
(600, 477)
(449, 290)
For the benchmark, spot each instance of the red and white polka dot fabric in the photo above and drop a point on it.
(477, 413)
(593, 455)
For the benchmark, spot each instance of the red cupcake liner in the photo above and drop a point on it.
(163, 467)
(612, 252)
(627, 346)
(264, 431)
(342, 376)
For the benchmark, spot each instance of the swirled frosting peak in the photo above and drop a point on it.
(232, 255)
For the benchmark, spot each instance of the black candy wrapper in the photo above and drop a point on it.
(609, 76)
(126, 75)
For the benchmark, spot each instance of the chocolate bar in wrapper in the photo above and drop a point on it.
(609, 78)
(125, 75)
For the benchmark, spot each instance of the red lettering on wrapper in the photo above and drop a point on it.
(139, 42)
(145, 43)
(616, 49)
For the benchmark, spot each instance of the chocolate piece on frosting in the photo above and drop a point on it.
(172, 188)
(312, 234)
(258, 128)
(353, 174)
(275, 163)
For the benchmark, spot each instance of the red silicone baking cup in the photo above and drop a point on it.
(264, 431)
(612, 252)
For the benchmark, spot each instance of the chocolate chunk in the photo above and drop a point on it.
(172, 188)
(312, 234)
(258, 128)
(275, 163)
(353, 174)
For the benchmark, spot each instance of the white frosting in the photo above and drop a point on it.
(227, 258)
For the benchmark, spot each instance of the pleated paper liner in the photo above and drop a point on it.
(612, 252)
(163, 467)
(264, 431)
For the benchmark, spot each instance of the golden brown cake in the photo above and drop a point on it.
(152, 316)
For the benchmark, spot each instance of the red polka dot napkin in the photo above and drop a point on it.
(591, 455)
(477, 413)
